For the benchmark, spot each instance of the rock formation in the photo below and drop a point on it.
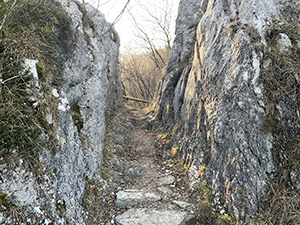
(91, 88)
(229, 98)
(217, 97)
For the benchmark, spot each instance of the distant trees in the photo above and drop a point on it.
(140, 74)
(142, 70)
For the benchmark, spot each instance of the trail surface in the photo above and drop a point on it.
(150, 187)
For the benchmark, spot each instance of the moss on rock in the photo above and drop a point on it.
(36, 30)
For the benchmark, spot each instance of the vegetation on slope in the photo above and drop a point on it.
(281, 81)
(38, 30)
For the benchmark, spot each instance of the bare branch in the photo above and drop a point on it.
(8, 13)
(116, 20)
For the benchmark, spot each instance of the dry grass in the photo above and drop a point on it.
(281, 81)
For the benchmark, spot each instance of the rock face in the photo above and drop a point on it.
(91, 89)
(213, 96)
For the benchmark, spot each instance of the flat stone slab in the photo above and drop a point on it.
(182, 204)
(165, 190)
(133, 196)
(153, 217)
(167, 180)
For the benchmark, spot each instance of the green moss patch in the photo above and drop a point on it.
(77, 119)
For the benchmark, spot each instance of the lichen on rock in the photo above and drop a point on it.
(217, 98)
(78, 76)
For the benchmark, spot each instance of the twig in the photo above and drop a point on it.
(11, 78)
(117, 19)
(8, 13)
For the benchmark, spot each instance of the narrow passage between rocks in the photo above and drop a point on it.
(148, 186)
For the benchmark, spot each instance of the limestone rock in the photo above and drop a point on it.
(164, 190)
(167, 180)
(182, 204)
(133, 171)
(92, 88)
(211, 93)
(152, 217)
(284, 43)
(133, 197)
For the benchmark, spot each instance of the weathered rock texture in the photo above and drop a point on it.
(212, 97)
(91, 89)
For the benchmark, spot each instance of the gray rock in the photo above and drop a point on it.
(92, 86)
(133, 197)
(295, 179)
(182, 204)
(165, 180)
(189, 220)
(212, 90)
(284, 43)
(133, 171)
(152, 217)
(118, 150)
(164, 190)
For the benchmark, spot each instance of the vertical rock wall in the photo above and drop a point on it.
(91, 89)
(212, 91)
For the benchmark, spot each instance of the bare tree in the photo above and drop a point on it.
(143, 70)
(140, 75)
(154, 31)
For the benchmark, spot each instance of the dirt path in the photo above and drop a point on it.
(147, 187)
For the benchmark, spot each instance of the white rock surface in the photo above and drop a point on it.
(284, 43)
(167, 180)
(212, 87)
(182, 204)
(164, 190)
(92, 86)
(151, 217)
(133, 197)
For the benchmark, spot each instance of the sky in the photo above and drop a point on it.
(125, 26)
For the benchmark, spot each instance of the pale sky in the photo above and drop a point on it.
(125, 26)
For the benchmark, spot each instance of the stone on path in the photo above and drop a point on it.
(132, 171)
(165, 180)
(132, 197)
(154, 217)
(165, 190)
(182, 204)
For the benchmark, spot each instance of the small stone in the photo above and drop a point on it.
(165, 181)
(182, 204)
(284, 43)
(165, 190)
(55, 93)
(132, 197)
(133, 171)
(189, 220)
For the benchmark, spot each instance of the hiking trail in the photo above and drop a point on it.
(150, 186)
